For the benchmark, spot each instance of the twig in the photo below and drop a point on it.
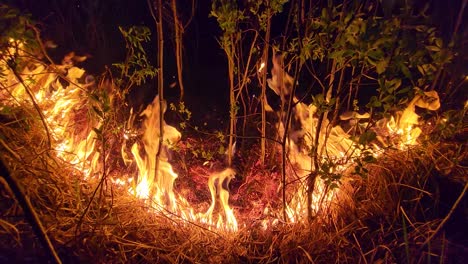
(446, 217)
(17, 157)
(36, 106)
(285, 136)
(360, 249)
(30, 214)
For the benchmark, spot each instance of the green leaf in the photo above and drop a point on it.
(388, 98)
(404, 90)
(367, 137)
(381, 66)
(421, 70)
(324, 14)
(221, 150)
(374, 102)
(375, 55)
(405, 71)
(336, 54)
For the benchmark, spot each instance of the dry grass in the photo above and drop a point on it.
(388, 217)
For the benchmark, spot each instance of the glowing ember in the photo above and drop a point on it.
(262, 65)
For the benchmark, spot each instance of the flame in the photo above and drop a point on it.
(337, 147)
(218, 184)
(57, 104)
(338, 143)
(341, 149)
(75, 141)
(156, 177)
(406, 124)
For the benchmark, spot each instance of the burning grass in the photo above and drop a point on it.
(111, 188)
(389, 216)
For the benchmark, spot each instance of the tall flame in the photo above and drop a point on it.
(156, 176)
(335, 145)
(75, 141)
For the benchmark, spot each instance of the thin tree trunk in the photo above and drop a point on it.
(284, 140)
(36, 106)
(264, 84)
(160, 82)
(232, 101)
(178, 48)
(316, 152)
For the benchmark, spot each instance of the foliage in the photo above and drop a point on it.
(261, 11)
(228, 15)
(16, 31)
(198, 150)
(243, 25)
(400, 53)
(14, 25)
(184, 113)
(350, 56)
(396, 56)
(321, 103)
(379, 200)
(366, 156)
(328, 173)
(450, 123)
(100, 104)
(136, 68)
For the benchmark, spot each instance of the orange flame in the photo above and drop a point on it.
(339, 145)
(156, 177)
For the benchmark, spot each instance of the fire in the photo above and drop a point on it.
(337, 147)
(218, 184)
(405, 125)
(75, 141)
(156, 176)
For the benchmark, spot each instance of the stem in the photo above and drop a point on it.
(348, 106)
(36, 106)
(30, 214)
(160, 83)
(337, 106)
(264, 84)
(178, 48)
(460, 197)
(232, 100)
(244, 79)
(285, 135)
(315, 164)
(459, 19)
